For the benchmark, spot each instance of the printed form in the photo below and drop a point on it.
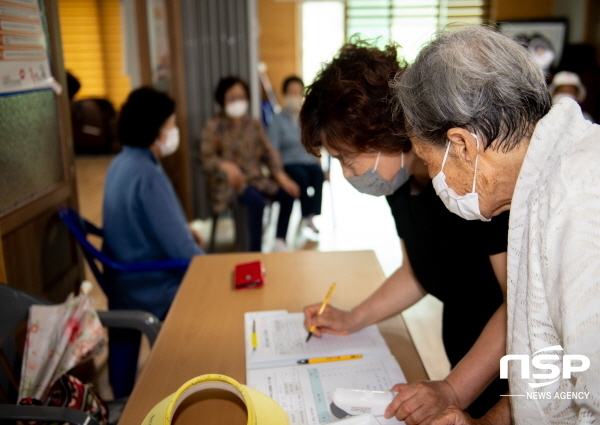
(305, 391)
(281, 338)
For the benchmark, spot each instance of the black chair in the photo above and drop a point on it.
(94, 126)
(14, 310)
(240, 218)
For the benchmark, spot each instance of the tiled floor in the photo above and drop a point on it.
(349, 221)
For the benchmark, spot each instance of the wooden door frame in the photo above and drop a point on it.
(2, 265)
(176, 87)
(141, 14)
(62, 191)
(65, 191)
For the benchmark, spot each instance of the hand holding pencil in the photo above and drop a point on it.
(323, 305)
(330, 320)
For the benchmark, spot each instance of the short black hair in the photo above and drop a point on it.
(290, 80)
(143, 114)
(225, 84)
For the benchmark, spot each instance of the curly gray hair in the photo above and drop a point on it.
(474, 78)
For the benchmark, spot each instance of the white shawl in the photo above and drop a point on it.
(554, 266)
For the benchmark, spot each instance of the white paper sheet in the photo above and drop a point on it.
(305, 391)
(282, 340)
(365, 419)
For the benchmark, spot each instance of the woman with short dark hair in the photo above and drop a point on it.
(142, 217)
(227, 83)
(143, 220)
(236, 152)
(349, 103)
(142, 116)
(347, 111)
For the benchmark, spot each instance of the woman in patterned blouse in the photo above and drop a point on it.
(241, 162)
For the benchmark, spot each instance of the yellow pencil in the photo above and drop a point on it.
(254, 336)
(325, 301)
(330, 359)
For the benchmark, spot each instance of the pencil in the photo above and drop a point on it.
(325, 301)
(254, 336)
(330, 359)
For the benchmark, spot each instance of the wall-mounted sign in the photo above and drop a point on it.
(158, 37)
(24, 63)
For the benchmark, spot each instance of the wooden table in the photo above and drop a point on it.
(204, 330)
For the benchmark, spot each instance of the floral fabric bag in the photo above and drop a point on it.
(59, 337)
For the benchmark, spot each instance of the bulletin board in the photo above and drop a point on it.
(24, 62)
(31, 159)
(158, 40)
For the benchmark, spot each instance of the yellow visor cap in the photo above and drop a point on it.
(262, 409)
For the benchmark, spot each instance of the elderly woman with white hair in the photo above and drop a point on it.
(479, 114)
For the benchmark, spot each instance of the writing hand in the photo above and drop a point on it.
(333, 320)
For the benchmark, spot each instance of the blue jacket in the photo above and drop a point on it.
(143, 221)
(285, 137)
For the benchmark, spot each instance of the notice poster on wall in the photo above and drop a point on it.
(158, 36)
(24, 63)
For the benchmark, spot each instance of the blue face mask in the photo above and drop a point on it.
(372, 183)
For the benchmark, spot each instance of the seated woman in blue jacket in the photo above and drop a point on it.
(304, 168)
(143, 220)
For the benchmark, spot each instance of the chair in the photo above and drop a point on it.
(203, 208)
(98, 261)
(242, 238)
(94, 125)
(14, 310)
(123, 344)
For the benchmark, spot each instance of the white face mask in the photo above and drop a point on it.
(171, 143)
(372, 183)
(293, 103)
(465, 206)
(236, 109)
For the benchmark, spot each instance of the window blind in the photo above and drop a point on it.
(410, 23)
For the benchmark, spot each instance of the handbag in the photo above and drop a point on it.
(68, 391)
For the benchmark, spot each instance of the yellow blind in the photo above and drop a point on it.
(117, 83)
(82, 46)
(92, 45)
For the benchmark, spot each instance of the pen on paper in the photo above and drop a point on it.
(254, 336)
(325, 301)
(330, 359)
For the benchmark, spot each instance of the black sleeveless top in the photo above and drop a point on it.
(450, 258)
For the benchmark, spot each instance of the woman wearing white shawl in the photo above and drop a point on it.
(478, 110)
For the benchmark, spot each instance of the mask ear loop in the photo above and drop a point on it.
(402, 161)
(476, 163)
(446, 155)
(376, 162)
